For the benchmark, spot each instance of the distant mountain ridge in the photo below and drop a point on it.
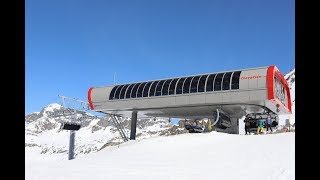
(42, 130)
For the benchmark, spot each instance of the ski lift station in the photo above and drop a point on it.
(222, 97)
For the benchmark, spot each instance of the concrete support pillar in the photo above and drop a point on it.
(235, 125)
(234, 129)
(133, 125)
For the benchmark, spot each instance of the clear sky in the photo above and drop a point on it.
(72, 45)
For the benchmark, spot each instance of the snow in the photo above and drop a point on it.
(157, 127)
(52, 107)
(186, 156)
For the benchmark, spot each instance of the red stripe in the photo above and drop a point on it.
(90, 99)
(270, 75)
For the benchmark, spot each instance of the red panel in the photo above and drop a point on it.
(270, 83)
(89, 99)
(272, 71)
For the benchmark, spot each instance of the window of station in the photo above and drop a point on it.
(153, 88)
(140, 88)
(186, 85)
(134, 90)
(279, 90)
(179, 86)
(159, 87)
(235, 80)
(209, 86)
(226, 81)
(172, 86)
(165, 87)
(113, 92)
(146, 89)
(128, 92)
(202, 83)
(217, 82)
(123, 90)
(194, 84)
(117, 94)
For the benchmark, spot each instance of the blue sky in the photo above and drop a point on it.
(72, 45)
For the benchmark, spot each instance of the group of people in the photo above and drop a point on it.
(260, 123)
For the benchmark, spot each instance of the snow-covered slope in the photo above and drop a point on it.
(42, 131)
(186, 156)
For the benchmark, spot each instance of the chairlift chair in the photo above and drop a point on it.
(70, 126)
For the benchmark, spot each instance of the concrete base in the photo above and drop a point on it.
(234, 129)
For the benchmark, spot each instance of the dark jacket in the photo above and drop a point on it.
(269, 121)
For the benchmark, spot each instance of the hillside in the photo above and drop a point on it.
(43, 133)
(186, 156)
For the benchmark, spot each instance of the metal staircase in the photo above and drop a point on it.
(117, 123)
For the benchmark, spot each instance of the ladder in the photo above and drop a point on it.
(118, 125)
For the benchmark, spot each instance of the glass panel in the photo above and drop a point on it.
(128, 92)
(218, 82)
(140, 88)
(146, 89)
(159, 87)
(113, 92)
(134, 90)
(179, 86)
(235, 80)
(123, 90)
(186, 85)
(117, 94)
(194, 84)
(209, 86)
(279, 91)
(153, 88)
(173, 86)
(202, 83)
(165, 87)
(226, 81)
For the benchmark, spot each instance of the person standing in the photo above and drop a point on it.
(260, 126)
(247, 126)
(269, 123)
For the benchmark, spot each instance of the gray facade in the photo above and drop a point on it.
(241, 90)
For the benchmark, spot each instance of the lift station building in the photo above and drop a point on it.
(223, 97)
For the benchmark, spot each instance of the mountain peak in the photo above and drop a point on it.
(52, 107)
(290, 74)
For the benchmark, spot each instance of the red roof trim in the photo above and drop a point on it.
(270, 75)
(90, 99)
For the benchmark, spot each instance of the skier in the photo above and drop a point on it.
(247, 126)
(260, 126)
(269, 123)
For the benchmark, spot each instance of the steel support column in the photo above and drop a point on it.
(133, 125)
